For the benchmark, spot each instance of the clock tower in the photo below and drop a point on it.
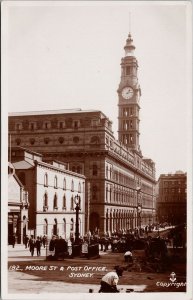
(129, 95)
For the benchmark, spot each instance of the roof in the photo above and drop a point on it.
(51, 112)
(21, 165)
(16, 178)
(48, 165)
(16, 148)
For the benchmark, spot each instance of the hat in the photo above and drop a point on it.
(119, 270)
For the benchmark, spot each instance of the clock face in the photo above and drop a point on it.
(127, 92)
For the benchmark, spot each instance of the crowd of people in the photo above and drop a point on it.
(32, 244)
(117, 241)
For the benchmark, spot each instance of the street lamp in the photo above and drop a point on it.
(77, 208)
(139, 208)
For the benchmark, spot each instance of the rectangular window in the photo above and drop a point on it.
(18, 126)
(94, 122)
(32, 126)
(61, 125)
(76, 124)
(47, 125)
(106, 194)
(128, 70)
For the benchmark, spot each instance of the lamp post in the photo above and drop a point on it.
(77, 209)
(139, 208)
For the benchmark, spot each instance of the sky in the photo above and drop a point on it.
(62, 55)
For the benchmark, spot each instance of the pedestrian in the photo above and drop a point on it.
(110, 280)
(32, 243)
(128, 256)
(26, 240)
(13, 241)
(44, 241)
(52, 245)
(38, 246)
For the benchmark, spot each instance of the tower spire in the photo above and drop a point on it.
(129, 97)
(129, 47)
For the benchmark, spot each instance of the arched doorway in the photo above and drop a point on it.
(55, 229)
(45, 228)
(25, 220)
(94, 221)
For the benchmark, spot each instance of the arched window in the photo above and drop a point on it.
(55, 227)
(110, 193)
(107, 171)
(79, 188)
(94, 192)
(80, 202)
(95, 170)
(72, 203)
(64, 228)
(55, 182)
(55, 204)
(46, 179)
(45, 227)
(106, 193)
(110, 172)
(72, 185)
(45, 202)
(64, 184)
(72, 224)
(64, 202)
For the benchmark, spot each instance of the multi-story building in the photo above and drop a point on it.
(120, 182)
(172, 198)
(17, 208)
(52, 193)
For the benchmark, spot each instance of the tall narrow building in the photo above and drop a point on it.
(129, 95)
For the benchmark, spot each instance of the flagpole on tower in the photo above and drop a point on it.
(129, 22)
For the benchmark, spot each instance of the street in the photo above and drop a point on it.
(79, 275)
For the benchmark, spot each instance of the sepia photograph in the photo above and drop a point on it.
(97, 139)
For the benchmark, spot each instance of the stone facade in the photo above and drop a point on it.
(118, 177)
(172, 198)
(52, 191)
(113, 172)
(17, 208)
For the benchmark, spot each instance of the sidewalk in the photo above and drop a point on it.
(20, 253)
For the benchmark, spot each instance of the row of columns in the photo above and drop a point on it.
(119, 220)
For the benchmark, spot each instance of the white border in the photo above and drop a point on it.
(4, 147)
